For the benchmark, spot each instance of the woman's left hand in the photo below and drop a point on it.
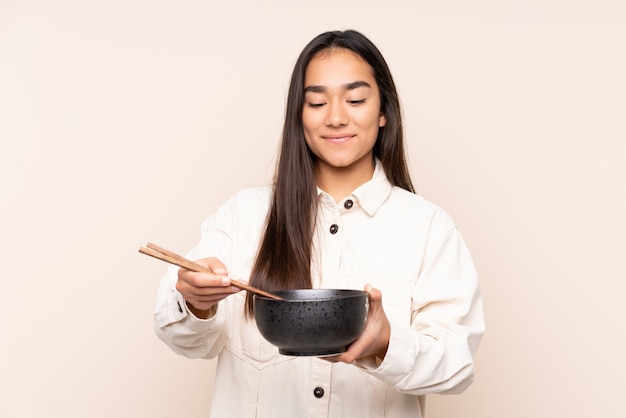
(375, 337)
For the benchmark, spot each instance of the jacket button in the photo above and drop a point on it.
(348, 204)
(318, 392)
(334, 228)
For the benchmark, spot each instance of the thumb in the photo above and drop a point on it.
(375, 295)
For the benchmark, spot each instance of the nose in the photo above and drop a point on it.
(336, 114)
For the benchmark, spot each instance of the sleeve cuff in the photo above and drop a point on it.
(175, 310)
(400, 357)
(198, 324)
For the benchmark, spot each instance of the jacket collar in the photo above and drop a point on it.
(371, 194)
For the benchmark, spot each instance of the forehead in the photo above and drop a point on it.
(337, 67)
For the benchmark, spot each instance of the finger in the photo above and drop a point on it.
(202, 279)
(209, 292)
(356, 350)
(205, 301)
(375, 297)
(202, 286)
(369, 342)
(214, 297)
(216, 266)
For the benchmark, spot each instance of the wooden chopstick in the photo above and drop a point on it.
(162, 254)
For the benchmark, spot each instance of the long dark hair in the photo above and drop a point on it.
(284, 256)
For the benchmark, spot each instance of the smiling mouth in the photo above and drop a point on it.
(338, 139)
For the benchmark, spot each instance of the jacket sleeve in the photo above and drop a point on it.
(434, 353)
(174, 324)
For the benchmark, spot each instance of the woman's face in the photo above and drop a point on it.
(341, 114)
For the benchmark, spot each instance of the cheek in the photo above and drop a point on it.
(371, 119)
(308, 133)
(306, 129)
(308, 121)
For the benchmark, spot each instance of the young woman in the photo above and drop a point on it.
(341, 213)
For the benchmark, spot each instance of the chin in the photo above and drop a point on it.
(339, 164)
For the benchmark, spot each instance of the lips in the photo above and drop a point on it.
(338, 138)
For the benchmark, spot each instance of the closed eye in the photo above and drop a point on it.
(315, 105)
(356, 102)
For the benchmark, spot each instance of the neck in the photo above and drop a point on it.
(339, 182)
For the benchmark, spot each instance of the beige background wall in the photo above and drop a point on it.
(126, 121)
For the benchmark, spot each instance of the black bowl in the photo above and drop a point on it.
(312, 322)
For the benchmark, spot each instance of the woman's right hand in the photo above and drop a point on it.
(202, 291)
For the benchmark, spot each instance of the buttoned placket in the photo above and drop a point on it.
(319, 388)
(331, 235)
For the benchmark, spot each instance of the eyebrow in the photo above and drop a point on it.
(347, 86)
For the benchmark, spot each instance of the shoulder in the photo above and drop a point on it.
(257, 196)
(420, 208)
(246, 206)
